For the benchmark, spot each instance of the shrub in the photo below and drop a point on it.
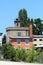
(31, 55)
(40, 57)
(8, 51)
(20, 54)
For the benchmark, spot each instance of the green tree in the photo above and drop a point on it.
(25, 22)
(17, 58)
(8, 51)
(35, 56)
(31, 55)
(23, 17)
(4, 39)
(39, 26)
(22, 54)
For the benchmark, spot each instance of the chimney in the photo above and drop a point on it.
(30, 30)
(31, 35)
(17, 22)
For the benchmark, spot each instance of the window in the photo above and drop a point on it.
(19, 33)
(27, 41)
(40, 39)
(35, 39)
(18, 41)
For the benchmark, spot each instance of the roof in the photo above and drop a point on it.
(34, 36)
(16, 28)
(37, 36)
(19, 37)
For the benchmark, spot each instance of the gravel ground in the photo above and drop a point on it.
(17, 63)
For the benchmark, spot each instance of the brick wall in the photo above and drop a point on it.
(22, 43)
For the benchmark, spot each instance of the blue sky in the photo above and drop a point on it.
(9, 11)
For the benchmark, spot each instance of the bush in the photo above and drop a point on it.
(40, 57)
(31, 55)
(17, 55)
(13, 54)
(35, 56)
(8, 51)
(20, 54)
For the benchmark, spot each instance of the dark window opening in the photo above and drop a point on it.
(35, 39)
(40, 39)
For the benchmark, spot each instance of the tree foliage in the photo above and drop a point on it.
(20, 54)
(32, 55)
(23, 17)
(25, 22)
(8, 51)
(39, 27)
(4, 39)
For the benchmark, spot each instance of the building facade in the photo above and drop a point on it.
(38, 41)
(19, 36)
(22, 36)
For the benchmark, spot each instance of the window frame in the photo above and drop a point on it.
(19, 33)
(26, 41)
